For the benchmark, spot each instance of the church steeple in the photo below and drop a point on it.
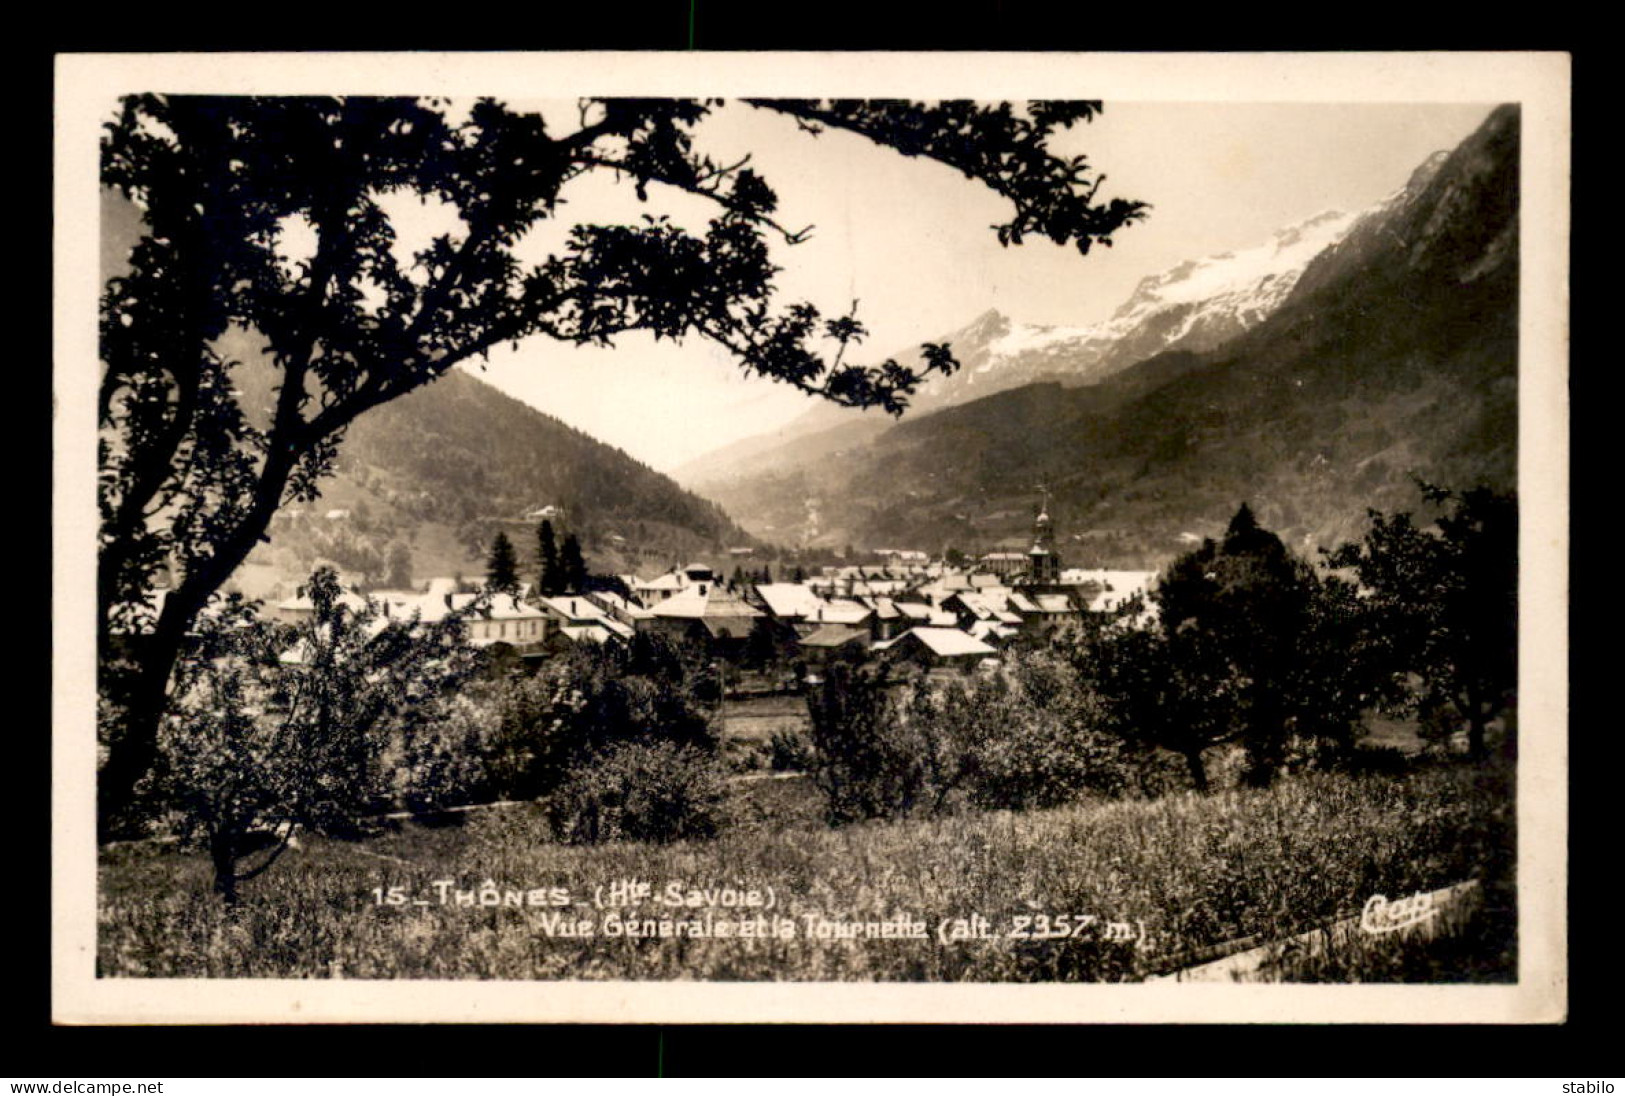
(1044, 565)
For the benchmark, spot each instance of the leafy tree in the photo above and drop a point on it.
(572, 567)
(1249, 635)
(549, 567)
(275, 727)
(1159, 688)
(1442, 605)
(1039, 739)
(586, 703)
(193, 469)
(865, 762)
(501, 567)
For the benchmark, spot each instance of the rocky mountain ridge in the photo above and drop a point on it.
(1194, 306)
(1393, 353)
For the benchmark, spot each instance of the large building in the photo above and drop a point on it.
(706, 613)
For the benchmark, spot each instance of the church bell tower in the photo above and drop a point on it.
(1043, 563)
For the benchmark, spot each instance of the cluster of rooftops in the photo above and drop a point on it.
(921, 610)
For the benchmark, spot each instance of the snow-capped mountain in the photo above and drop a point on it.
(1371, 350)
(1194, 306)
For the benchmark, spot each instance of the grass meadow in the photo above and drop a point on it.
(1193, 876)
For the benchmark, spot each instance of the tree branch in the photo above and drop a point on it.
(710, 193)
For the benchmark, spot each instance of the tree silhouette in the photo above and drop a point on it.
(501, 567)
(192, 471)
(549, 575)
(1254, 648)
(572, 566)
(1442, 604)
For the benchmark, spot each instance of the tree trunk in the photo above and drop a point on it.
(1477, 749)
(134, 748)
(223, 853)
(1470, 701)
(1266, 743)
(1198, 769)
(134, 745)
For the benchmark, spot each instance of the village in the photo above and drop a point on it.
(907, 608)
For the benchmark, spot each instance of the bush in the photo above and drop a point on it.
(1385, 760)
(1044, 740)
(452, 761)
(1032, 736)
(745, 755)
(641, 791)
(582, 705)
(866, 761)
(789, 752)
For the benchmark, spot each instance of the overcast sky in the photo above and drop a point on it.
(911, 241)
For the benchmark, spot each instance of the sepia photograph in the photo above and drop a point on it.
(609, 537)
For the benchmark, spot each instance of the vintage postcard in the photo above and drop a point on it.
(808, 537)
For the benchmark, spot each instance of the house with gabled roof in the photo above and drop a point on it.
(505, 619)
(790, 602)
(580, 617)
(1002, 564)
(937, 648)
(888, 621)
(993, 633)
(832, 641)
(849, 614)
(653, 591)
(707, 613)
(624, 609)
(917, 614)
(969, 607)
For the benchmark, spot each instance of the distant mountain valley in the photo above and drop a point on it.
(1312, 376)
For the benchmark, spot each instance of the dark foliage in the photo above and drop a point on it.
(641, 791)
(1257, 645)
(1440, 622)
(221, 179)
(572, 566)
(502, 567)
(865, 763)
(584, 705)
(549, 571)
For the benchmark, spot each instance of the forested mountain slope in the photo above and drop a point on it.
(1395, 353)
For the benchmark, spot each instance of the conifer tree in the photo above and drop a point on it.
(549, 572)
(502, 567)
(572, 566)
